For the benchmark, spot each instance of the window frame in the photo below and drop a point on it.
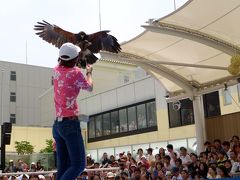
(13, 76)
(124, 133)
(13, 97)
(12, 118)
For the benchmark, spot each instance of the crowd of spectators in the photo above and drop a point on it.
(218, 160)
(21, 167)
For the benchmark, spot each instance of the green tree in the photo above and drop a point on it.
(48, 148)
(24, 147)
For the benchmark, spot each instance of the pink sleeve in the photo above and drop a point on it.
(84, 84)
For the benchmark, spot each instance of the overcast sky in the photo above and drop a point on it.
(123, 17)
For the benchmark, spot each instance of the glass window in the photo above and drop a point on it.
(106, 124)
(227, 99)
(12, 97)
(98, 120)
(13, 118)
(91, 129)
(141, 116)
(211, 104)
(13, 76)
(174, 116)
(123, 120)
(151, 114)
(114, 122)
(132, 121)
(192, 144)
(187, 112)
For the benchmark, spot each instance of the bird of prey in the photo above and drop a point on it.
(89, 43)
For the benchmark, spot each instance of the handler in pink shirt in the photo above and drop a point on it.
(68, 81)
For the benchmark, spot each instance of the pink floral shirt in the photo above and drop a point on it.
(67, 84)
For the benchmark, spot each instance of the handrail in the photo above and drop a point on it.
(50, 172)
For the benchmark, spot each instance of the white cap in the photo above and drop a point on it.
(110, 175)
(69, 50)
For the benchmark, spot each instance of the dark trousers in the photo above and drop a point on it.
(70, 149)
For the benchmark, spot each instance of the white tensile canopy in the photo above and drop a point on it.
(189, 52)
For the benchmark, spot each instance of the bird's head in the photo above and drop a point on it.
(82, 36)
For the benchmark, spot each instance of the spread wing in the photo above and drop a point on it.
(54, 34)
(103, 41)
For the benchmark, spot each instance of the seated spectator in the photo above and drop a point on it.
(33, 167)
(168, 175)
(207, 146)
(233, 157)
(11, 167)
(203, 170)
(167, 164)
(236, 165)
(193, 167)
(212, 173)
(222, 172)
(112, 159)
(228, 166)
(150, 157)
(110, 176)
(186, 160)
(235, 140)
(176, 173)
(19, 165)
(221, 158)
(158, 158)
(179, 164)
(158, 167)
(173, 159)
(132, 169)
(185, 174)
(226, 148)
(136, 174)
(139, 154)
(171, 151)
(144, 172)
(218, 145)
(39, 166)
(104, 160)
(90, 161)
(145, 161)
(203, 157)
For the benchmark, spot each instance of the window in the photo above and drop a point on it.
(151, 114)
(13, 118)
(227, 99)
(132, 121)
(123, 120)
(106, 124)
(12, 97)
(98, 120)
(187, 112)
(211, 104)
(91, 132)
(13, 76)
(183, 116)
(114, 122)
(141, 116)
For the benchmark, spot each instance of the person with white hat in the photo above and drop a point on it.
(68, 80)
